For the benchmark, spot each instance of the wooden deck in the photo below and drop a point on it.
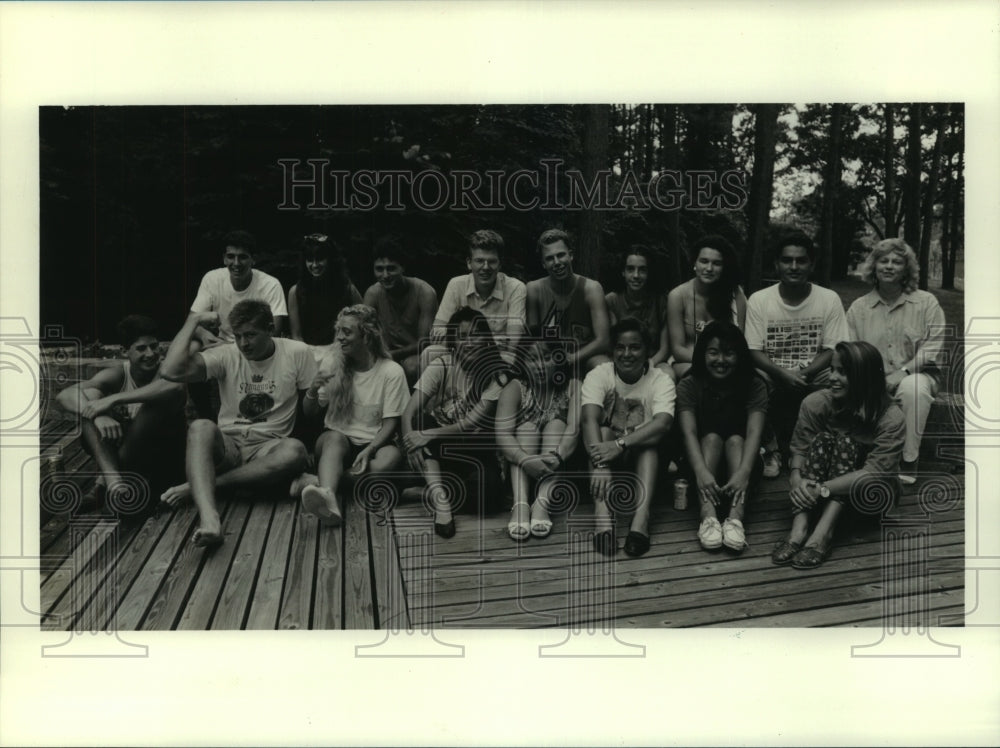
(385, 569)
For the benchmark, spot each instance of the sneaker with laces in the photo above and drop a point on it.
(733, 535)
(772, 464)
(710, 534)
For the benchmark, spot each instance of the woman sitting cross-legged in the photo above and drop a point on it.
(448, 424)
(537, 431)
(721, 406)
(363, 393)
(846, 447)
(627, 409)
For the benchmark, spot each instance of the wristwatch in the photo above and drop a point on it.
(824, 492)
(620, 441)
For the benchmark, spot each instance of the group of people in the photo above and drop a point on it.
(490, 392)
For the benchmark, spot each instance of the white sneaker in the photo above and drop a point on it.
(733, 534)
(323, 503)
(710, 534)
(908, 472)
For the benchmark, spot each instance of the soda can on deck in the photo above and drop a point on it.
(680, 494)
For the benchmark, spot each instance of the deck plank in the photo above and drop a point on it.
(265, 607)
(328, 613)
(60, 581)
(359, 607)
(390, 596)
(160, 565)
(297, 596)
(234, 602)
(204, 597)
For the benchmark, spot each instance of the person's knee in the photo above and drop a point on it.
(292, 453)
(331, 441)
(734, 442)
(202, 429)
(411, 368)
(711, 441)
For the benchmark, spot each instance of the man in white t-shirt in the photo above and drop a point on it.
(221, 289)
(626, 409)
(261, 379)
(791, 329)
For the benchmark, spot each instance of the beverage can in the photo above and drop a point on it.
(680, 494)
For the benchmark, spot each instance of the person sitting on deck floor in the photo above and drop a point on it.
(721, 405)
(405, 305)
(791, 329)
(448, 423)
(846, 447)
(537, 431)
(363, 393)
(569, 303)
(628, 407)
(907, 326)
(132, 418)
(260, 381)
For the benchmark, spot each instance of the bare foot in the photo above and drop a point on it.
(323, 503)
(176, 494)
(206, 538)
(300, 483)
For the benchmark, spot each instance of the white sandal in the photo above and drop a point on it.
(540, 528)
(518, 530)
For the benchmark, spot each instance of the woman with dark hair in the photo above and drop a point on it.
(721, 404)
(363, 393)
(846, 447)
(642, 299)
(907, 326)
(713, 294)
(537, 430)
(448, 424)
(627, 408)
(323, 289)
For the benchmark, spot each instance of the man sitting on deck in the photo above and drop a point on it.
(569, 303)
(261, 380)
(130, 415)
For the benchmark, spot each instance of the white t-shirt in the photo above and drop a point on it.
(216, 294)
(381, 392)
(793, 335)
(628, 406)
(259, 398)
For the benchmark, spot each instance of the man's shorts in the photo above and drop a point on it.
(237, 452)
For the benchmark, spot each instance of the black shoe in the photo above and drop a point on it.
(636, 543)
(604, 543)
(446, 530)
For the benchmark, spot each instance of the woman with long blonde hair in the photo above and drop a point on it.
(363, 393)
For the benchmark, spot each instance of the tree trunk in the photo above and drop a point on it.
(831, 184)
(932, 182)
(889, 166)
(911, 184)
(955, 225)
(946, 236)
(595, 158)
(761, 189)
(670, 162)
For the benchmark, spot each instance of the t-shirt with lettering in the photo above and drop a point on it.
(216, 294)
(379, 393)
(790, 335)
(259, 398)
(628, 406)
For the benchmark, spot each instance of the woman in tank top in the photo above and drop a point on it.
(641, 298)
(713, 294)
(324, 288)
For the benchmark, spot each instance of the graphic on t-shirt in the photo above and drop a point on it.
(624, 414)
(452, 407)
(793, 343)
(257, 400)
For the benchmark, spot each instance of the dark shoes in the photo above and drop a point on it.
(604, 543)
(784, 552)
(445, 530)
(636, 543)
(810, 557)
